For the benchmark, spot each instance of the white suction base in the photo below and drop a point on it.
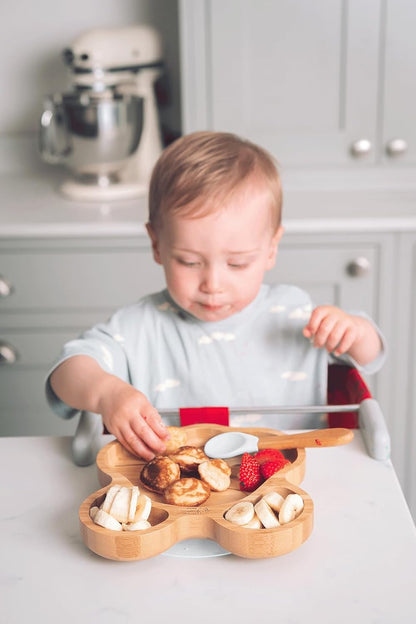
(111, 192)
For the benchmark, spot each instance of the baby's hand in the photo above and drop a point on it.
(135, 423)
(333, 329)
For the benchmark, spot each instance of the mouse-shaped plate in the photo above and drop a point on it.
(171, 523)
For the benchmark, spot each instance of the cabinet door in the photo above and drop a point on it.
(68, 278)
(23, 406)
(398, 141)
(299, 78)
(345, 276)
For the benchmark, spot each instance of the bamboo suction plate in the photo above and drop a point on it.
(172, 524)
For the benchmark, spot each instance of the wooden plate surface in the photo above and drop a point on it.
(172, 524)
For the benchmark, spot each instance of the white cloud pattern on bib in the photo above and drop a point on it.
(294, 375)
(216, 336)
(167, 384)
(302, 313)
(108, 358)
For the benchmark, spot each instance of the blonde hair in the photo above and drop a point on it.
(200, 171)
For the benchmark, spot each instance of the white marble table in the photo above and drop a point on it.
(358, 565)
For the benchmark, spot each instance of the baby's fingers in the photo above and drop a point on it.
(152, 417)
(134, 444)
(345, 343)
(326, 332)
(316, 318)
(147, 431)
(336, 336)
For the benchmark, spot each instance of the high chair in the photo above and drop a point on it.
(349, 405)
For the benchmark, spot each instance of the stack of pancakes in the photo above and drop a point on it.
(185, 476)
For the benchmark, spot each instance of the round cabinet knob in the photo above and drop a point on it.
(8, 354)
(358, 267)
(362, 147)
(396, 147)
(6, 288)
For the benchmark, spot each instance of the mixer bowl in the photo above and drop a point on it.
(94, 135)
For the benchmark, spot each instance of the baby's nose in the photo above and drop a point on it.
(211, 281)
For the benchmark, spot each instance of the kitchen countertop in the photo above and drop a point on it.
(358, 565)
(32, 206)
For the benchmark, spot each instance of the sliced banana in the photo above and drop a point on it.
(136, 526)
(266, 515)
(134, 495)
(274, 500)
(241, 513)
(105, 520)
(124, 508)
(291, 508)
(120, 506)
(108, 501)
(93, 512)
(143, 508)
(253, 524)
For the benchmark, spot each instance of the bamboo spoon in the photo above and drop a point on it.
(235, 443)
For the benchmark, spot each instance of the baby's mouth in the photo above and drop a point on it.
(215, 311)
(214, 306)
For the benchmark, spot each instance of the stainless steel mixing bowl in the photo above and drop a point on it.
(94, 135)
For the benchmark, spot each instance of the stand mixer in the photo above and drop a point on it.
(106, 130)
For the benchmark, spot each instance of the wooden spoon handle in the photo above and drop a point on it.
(308, 439)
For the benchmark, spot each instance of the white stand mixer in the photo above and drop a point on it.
(107, 129)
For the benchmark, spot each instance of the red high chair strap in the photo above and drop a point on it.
(195, 415)
(345, 385)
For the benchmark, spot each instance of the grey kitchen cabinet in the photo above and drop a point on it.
(327, 83)
(51, 291)
(397, 140)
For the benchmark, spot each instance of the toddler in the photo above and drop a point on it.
(217, 335)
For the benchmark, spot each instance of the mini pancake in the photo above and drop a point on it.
(187, 492)
(177, 439)
(160, 472)
(188, 458)
(216, 473)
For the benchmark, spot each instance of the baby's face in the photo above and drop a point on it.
(214, 265)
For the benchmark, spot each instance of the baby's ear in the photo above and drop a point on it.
(155, 243)
(274, 244)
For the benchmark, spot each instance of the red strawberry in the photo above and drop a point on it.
(269, 454)
(249, 475)
(270, 467)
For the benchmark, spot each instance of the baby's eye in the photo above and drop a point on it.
(187, 263)
(234, 265)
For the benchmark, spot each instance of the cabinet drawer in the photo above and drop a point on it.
(345, 275)
(77, 279)
(33, 348)
(23, 406)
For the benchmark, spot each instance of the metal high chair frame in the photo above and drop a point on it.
(350, 405)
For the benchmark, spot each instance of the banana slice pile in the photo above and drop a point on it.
(123, 509)
(272, 510)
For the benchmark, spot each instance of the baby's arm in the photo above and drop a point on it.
(81, 383)
(339, 332)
